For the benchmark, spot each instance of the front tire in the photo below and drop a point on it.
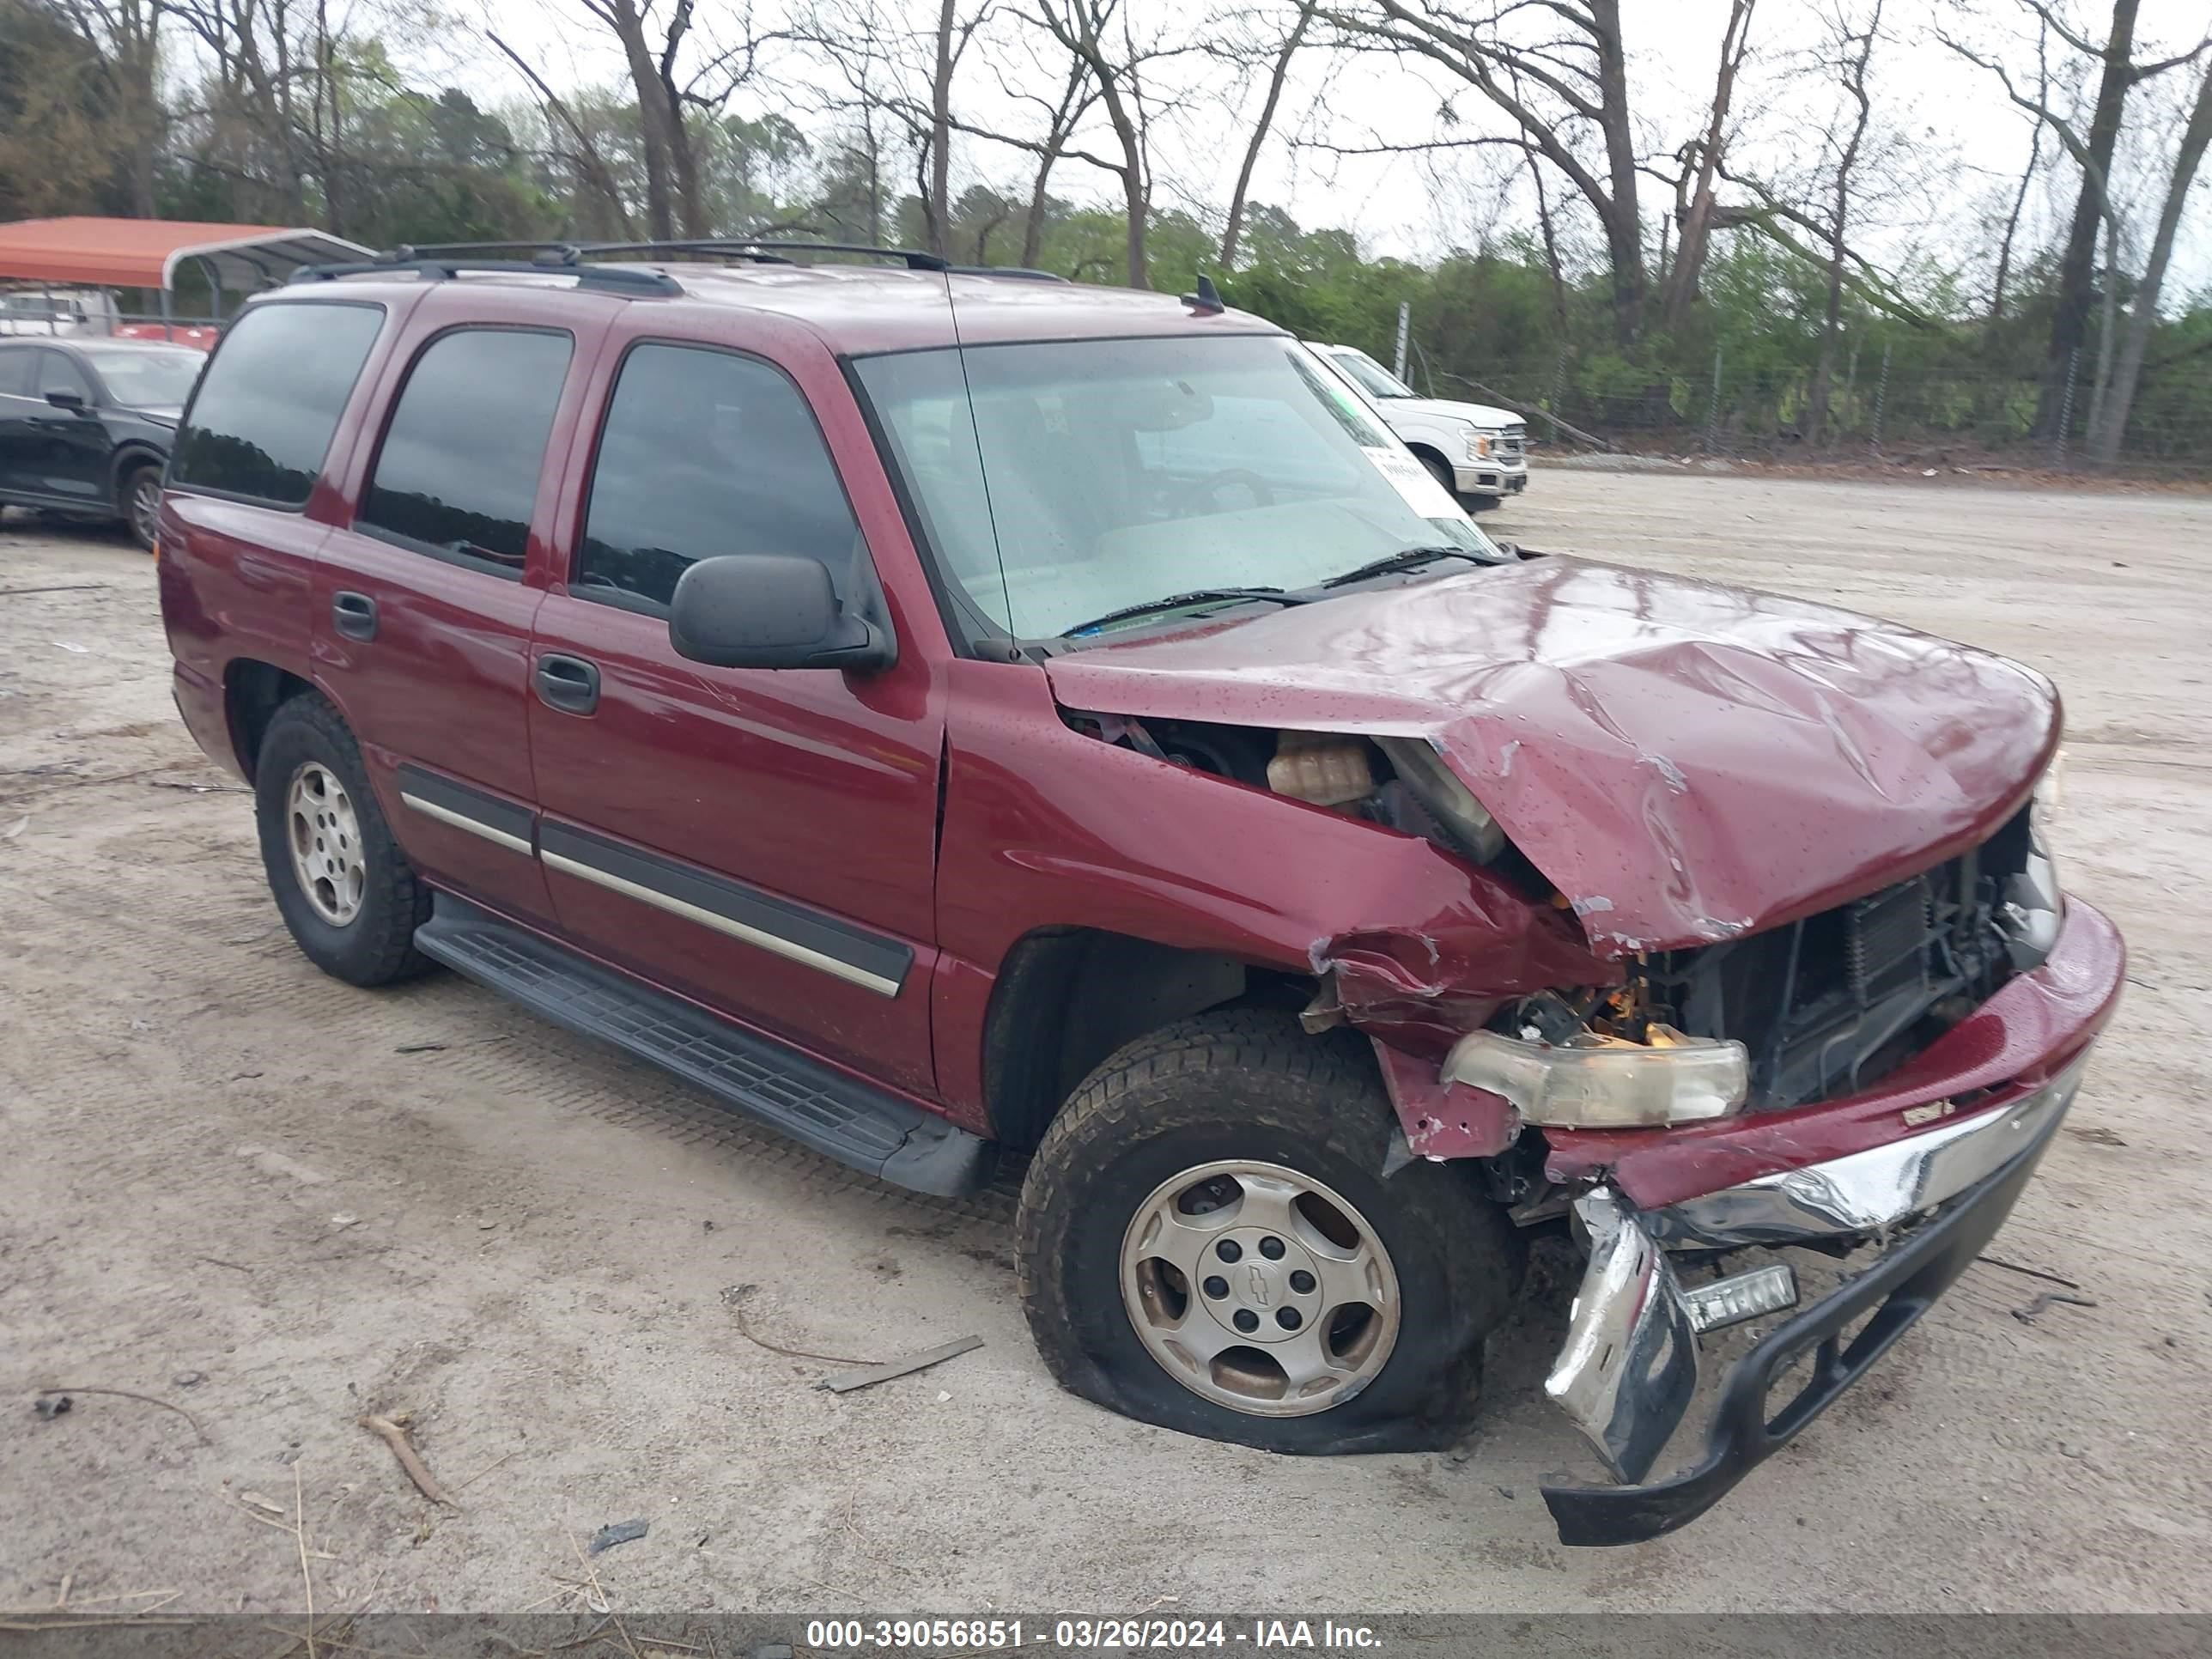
(345, 890)
(1207, 1243)
(138, 495)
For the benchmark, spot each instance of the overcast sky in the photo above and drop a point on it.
(1964, 143)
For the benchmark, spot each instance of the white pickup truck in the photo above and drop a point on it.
(1476, 452)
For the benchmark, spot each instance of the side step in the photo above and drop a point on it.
(815, 1104)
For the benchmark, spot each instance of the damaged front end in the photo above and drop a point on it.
(1758, 950)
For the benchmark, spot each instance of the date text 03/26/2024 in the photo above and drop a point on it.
(971, 1635)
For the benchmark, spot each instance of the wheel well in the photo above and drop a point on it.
(1430, 453)
(1066, 997)
(126, 460)
(252, 694)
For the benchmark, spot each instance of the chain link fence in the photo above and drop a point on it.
(1883, 407)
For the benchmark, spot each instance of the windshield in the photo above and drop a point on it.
(154, 377)
(149, 377)
(1058, 482)
(1369, 375)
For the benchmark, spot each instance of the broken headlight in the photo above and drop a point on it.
(1606, 1083)
(2030, 909)
(1463, 818)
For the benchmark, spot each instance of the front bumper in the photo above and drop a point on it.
(1490, 477)
(1630, 1366)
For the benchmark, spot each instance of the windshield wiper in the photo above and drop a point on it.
(1406, 558)
(1176, 601)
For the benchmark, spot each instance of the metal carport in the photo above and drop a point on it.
(148, 253)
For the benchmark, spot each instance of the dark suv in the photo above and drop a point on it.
(938, 712)
(86, 425)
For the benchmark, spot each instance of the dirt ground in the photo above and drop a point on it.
(279, 1202)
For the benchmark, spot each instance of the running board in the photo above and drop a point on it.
(817, 1105)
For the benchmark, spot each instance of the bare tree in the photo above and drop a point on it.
(2105, 444)
(1097, 34)
(2094, 211)
(1076, 95)
(1291, 41)
(126, 35)
(2026, 177)
(585, 157)
(656, 37)
(1695, 204)
(1850, 48)
(1578, 68)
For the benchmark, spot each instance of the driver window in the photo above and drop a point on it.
(706, 453)
(57, 374)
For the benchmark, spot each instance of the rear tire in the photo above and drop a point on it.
(345, 890)
(1246, 1087)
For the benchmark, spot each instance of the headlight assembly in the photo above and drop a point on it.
(1610, 1083)
(1464, 818)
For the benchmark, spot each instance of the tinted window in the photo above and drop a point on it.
(704, 453)
(147, 377)
(15, 375)
(57, 374)
(457, 474)
(269, 403)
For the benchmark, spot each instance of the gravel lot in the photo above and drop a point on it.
(280, 1202)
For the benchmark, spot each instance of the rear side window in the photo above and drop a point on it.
(262, 421)
(704, 453)
(457, 476)
(16, 372)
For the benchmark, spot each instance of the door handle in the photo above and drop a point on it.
(354, 615)
(568, 683)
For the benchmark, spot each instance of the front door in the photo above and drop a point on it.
(761, 842)
(421, 610)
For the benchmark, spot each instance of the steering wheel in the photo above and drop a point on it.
(1204, 492)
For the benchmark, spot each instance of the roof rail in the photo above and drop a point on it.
(1022, 273)
(433, 267)
(770, 250)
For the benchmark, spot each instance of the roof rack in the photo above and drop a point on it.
(445, 260)
(1021, 273)
(610, 278)
(771, 250)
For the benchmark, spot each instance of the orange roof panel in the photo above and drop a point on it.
(145, 253)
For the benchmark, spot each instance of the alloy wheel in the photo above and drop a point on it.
(1260, 1288)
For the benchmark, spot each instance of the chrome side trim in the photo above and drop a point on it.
(1867, 1193)
(1629, 1367)
(462, 821)
(767, 941)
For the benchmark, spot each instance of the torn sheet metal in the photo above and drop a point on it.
(1686, 762)
(1429, 983)
(1444, 1119)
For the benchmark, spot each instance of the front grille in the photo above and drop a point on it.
(1512, 443)
(1830, 1005)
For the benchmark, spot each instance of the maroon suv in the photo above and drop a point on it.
(935, 712)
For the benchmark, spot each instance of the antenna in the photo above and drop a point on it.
(1206, 303)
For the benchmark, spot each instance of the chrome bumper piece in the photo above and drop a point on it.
(1629, 1368)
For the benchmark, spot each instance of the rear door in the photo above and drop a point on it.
(424, 598)
(247, 507)
(762, 842)
(19, 403)
(59, 454)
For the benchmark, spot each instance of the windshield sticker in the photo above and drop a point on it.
(1416, 485)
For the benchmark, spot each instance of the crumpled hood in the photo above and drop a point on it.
(1686, 762)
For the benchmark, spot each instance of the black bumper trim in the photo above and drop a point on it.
(1898, 1288)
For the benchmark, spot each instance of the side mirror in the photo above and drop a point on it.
(72, 401)
(761, 610)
